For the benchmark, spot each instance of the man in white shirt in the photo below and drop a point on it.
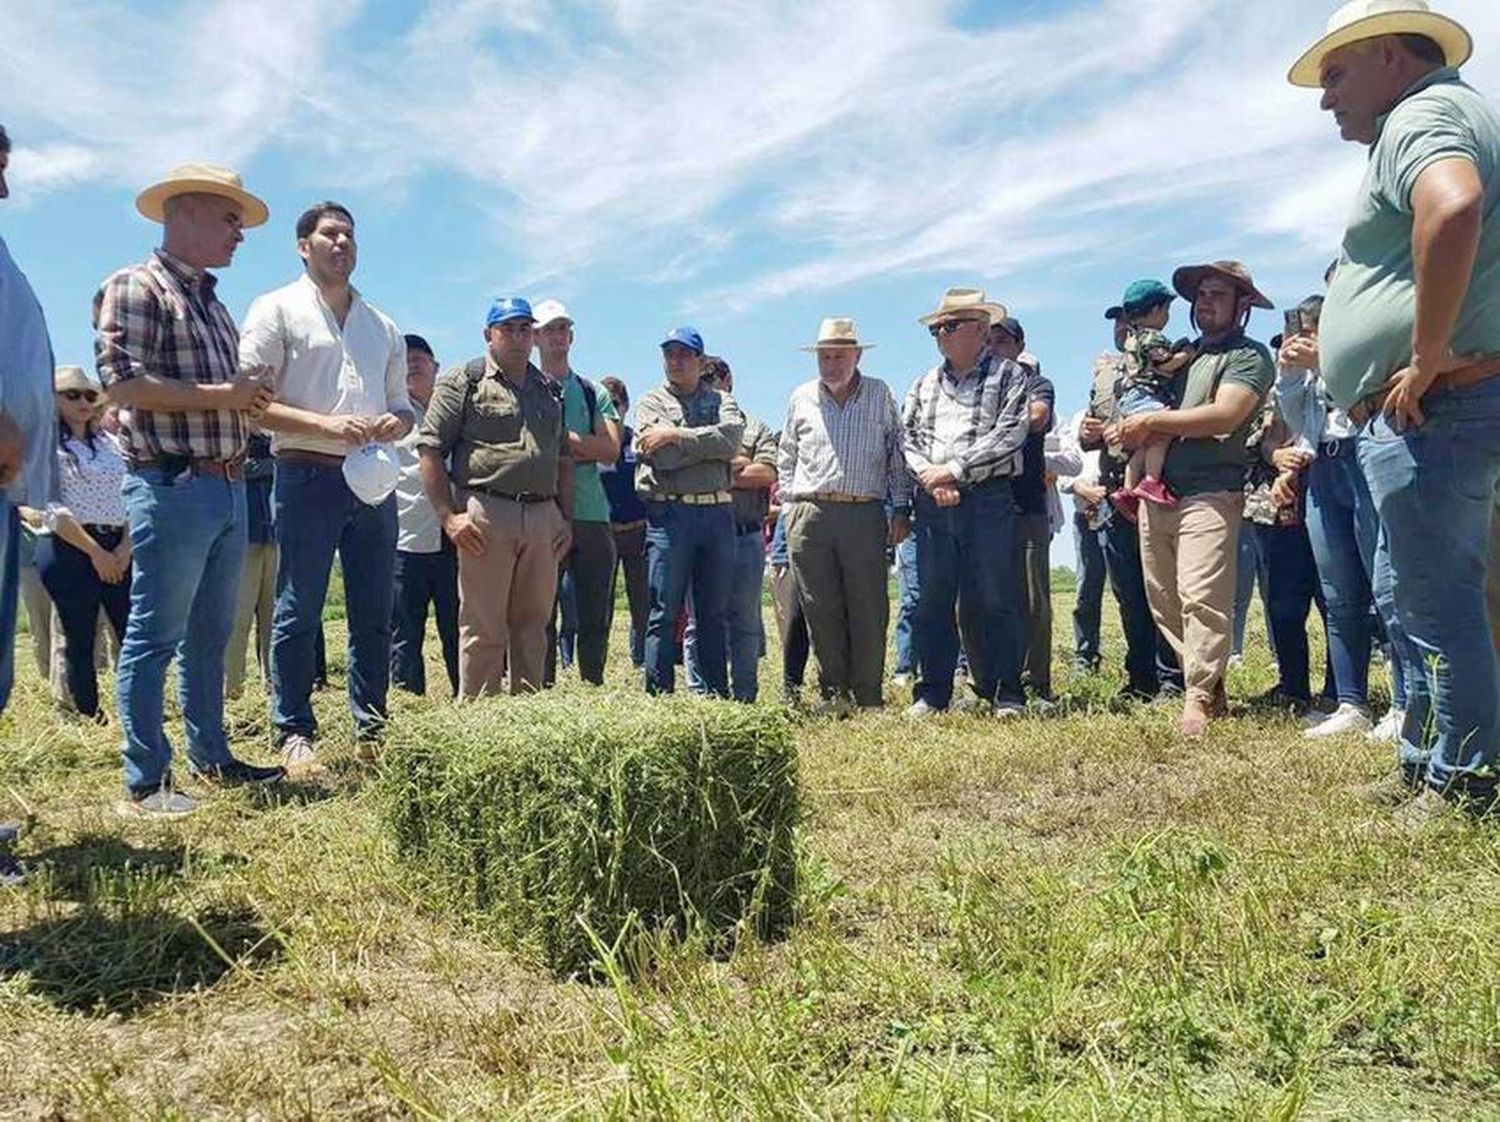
(426, 562)
(339, 367)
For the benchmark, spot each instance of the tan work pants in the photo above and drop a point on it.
(506, 594)
(1188, 555)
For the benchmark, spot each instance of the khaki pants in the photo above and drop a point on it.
(837, 551)
(506, 594)
(256, 604)
(1188, 554)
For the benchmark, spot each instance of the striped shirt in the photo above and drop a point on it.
(162, 318)
(851, 449)
(976, 424)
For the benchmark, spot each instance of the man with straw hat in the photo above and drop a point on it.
(840, 461)
(1189, 551)
(1409, 345)
(168, 352)
(964, 423)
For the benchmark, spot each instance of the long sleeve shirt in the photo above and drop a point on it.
(851, 449)
(711, 428)
(357, 369)
(26, 383)
(975, 423)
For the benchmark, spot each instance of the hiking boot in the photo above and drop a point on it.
(1155, 491)
(1347, 720)
(1392, 790)
(163, 803)
(298, 757)
(236, 773)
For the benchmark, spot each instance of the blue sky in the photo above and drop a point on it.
(748, 167)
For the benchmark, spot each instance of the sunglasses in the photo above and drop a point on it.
(90, 396)
(948, 327)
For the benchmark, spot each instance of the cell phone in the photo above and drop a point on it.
(1293, 320)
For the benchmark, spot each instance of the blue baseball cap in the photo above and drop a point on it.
(1143, 295)
(687, 336)
(507, 308)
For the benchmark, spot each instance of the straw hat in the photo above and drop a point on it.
(965, 303)
(1187, 279)
(837, 333)
(201, 179)
(1370, 19)
(73, 378)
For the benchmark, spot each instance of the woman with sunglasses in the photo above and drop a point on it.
(85, 561)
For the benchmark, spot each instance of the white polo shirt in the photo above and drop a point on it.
(356, 370)
(418, 530)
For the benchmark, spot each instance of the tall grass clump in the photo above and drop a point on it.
(552, 823)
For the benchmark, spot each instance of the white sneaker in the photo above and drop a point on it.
(920, 711)
(297, 755)
(902, 681)
(1388, 731)
(1347, 719)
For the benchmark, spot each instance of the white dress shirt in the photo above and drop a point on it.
(417, 523)
(358, 370)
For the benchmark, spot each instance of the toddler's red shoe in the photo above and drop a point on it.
(1155, 491)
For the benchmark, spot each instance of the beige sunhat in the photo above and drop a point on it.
(1187, 279)
(837, 332)
(204, 179)
(73, 378)
(967, 303)
(1370, 19)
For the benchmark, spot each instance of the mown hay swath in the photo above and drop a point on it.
(548, 817)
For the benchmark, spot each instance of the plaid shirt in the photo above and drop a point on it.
(852, 449)
(161, 317)
(976, 423)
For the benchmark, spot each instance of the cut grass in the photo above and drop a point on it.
(1081, 917)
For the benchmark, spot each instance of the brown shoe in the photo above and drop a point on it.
(1391, 791)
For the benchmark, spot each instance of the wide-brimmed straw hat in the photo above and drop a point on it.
(1187, 279)
(960, 303)
(202, 179)
(836, 333)
(66, 378)
(1370, 19)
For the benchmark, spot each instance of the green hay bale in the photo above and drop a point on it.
(544, 818)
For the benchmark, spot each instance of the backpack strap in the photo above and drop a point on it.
(590, 401)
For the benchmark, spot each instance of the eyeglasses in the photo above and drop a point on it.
(948, 327)
(90, 396)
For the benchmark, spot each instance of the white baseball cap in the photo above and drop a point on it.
(550, 311)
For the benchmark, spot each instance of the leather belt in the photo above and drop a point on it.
(626, 527)
(529, 498)
(1367, 407)
(232, 470)
(317, 459)
(832, 497)
(708, 498)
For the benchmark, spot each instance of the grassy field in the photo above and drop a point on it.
(1076, 917)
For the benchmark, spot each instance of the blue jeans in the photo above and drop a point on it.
(10, 578)
(187, 537)
(689, 549)
(745, 634)
(908, 590)
(1435, 489)
(1088, 607)
(1150, 662)
(315, 513)
(1251, 572)
(967, 555)
(1292, 583)
(77, 595)
(1344, 529)
(422, 579)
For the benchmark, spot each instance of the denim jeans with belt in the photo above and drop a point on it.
(967, 555)
(1434, 486)
(316, 513)
(1344, 529)
(689, 549)
(187, 540)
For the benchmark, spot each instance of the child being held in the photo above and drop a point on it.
(1151, 366)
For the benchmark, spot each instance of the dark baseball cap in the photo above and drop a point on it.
(417, 343)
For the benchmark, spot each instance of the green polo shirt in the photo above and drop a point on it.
(590, 504)
(1204, 465)
(1364, 336)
